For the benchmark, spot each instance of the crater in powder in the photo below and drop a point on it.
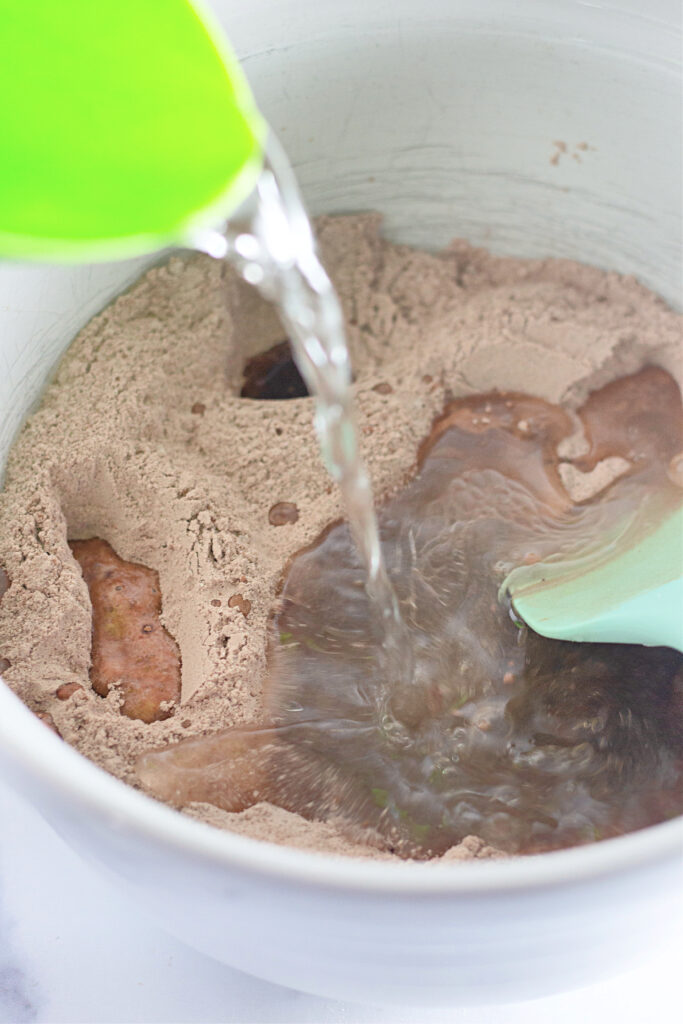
(273, 375)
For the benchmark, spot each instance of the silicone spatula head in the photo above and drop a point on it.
(632, 594)
(125, 125)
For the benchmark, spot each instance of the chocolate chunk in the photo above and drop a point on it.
(67, 690)
(237, 601)
(283, 513)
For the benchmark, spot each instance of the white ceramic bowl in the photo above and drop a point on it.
(448, 117)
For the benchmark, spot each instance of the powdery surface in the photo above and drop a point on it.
(142, 439)
(275, 825)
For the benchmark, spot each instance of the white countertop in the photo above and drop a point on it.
(71, 951)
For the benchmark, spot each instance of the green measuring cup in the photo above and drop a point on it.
(125, 126)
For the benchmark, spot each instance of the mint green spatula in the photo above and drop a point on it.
(125, 125)
(632, 595)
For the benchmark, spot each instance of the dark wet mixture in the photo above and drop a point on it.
(531, 744)
(272, 375)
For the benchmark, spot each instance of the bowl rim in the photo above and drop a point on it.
(26, 742)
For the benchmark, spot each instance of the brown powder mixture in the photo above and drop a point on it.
(142, 439)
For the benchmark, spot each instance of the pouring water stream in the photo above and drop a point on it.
(276, 253)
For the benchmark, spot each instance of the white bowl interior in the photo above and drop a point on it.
(541, 128)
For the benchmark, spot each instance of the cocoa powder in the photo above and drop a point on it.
(142, 439)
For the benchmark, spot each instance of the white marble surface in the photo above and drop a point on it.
(72, 952)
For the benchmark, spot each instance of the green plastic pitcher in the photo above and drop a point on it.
(125, 126)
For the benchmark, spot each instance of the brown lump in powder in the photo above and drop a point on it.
(131, 650)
